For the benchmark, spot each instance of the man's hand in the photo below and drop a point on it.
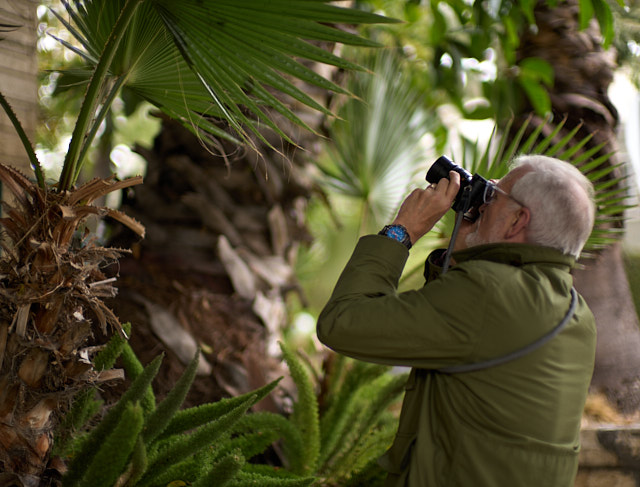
(422, 209)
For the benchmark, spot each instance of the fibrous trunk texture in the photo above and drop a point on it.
(51, 292)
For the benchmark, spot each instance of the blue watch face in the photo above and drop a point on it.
(397, 232)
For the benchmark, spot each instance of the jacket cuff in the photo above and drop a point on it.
(392, 252)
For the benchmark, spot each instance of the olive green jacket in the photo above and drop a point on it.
(516, 424)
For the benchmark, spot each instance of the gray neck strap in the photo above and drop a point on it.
(456, 369)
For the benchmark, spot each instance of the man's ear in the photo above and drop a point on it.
(519, 224)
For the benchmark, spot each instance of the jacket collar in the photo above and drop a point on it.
(515, 254)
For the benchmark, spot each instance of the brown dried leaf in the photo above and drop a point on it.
(38, 416)
(98, 187)
(126, 220)
(112, 374)
(169, 330)
(243, 280)
(33, 367)
(4, 331)
(20, 319)
(16, 183)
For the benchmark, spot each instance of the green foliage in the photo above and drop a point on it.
(293, 441)
(165, 53)
(376, 144)
(222, 472)
(134, 368)
(188, 419)
(626, 36)
(356, 425)
(535, 76)
(97, 437)
(180, 447)
(463, 48)
(109, 461)
(305, 410)
(632, 267)
(212, 444)
(158, 420)
(157, 445)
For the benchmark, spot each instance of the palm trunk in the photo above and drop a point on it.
(217, 263)
(51, 295)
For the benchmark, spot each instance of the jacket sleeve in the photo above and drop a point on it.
(366, 318)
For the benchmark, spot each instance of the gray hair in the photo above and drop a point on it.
(561, 201)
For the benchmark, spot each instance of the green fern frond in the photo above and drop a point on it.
(371, 475)
(139, 461)
(368, 447)
(194, 417)
(251, 479)
(336, 419)
(185, 445)
(134, 368)
(158, 420)
(99, 434)
(84, 407)
(305, 410)
(336, 368)
(223, 471)
(187, 471)
(106, 358)
(113, 454)
(292, 439)
(251, 444)
(268, 471)
(360, 415)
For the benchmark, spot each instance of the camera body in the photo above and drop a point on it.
(472, 188)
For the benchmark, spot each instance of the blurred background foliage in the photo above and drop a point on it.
(449, 73)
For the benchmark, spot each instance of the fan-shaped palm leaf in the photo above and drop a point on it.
(612, 192)
(200, 61)
(376, 145)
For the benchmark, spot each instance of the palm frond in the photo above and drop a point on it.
(220, 67)
(612, 191)
(376, 145)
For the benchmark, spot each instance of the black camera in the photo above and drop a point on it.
(473, 189)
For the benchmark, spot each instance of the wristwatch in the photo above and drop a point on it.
(397, 232)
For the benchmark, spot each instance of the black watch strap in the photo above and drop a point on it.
(397, 232)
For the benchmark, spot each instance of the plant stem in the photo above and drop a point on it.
(37, 169)
(81, 135)
(96, 124)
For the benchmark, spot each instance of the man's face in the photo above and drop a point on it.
(495, 217)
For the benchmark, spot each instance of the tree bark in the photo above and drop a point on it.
(605, 287)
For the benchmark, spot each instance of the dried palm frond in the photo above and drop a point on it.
(51, 289)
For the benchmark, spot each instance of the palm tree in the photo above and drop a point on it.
(219, 86)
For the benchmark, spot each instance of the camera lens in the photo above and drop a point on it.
(440, 169)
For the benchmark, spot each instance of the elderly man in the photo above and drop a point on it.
(501, 348)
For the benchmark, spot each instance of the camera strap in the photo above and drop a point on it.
(465, 204)
(452, 241)
(456, 369)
